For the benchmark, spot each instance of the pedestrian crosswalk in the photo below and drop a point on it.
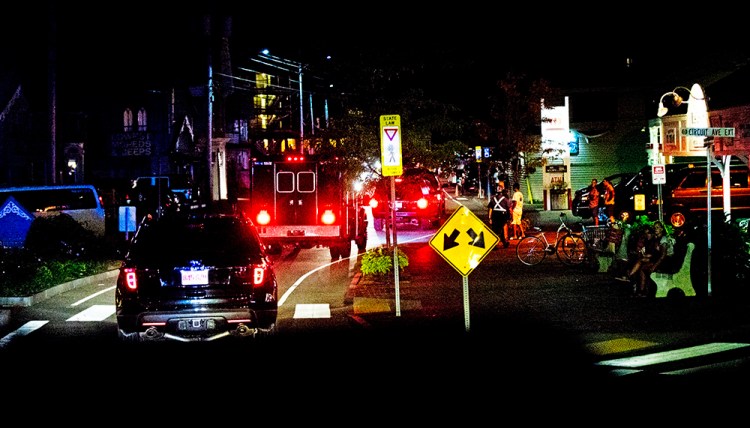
(99, 313)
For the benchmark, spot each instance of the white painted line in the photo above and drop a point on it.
(25, 329)
(92, 296)
(675, 355)
(312, 310)
(94, 313)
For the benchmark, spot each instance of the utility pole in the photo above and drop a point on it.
(210, 100)
(52, 76)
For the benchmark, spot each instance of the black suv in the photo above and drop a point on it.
(195, 277)
(417, 203)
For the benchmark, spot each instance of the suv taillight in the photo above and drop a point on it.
(130, 279)
(422, 203)
(255, 275)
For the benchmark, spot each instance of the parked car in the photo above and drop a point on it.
(417, 203)
(197, 277)
(580, 205)
(640, 196)
(687, 200)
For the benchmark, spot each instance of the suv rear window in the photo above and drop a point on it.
(175, 239)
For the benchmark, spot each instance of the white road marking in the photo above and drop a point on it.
(94, 313)
(674, 355)
(25, 329)
(312, 310)
(91, 296)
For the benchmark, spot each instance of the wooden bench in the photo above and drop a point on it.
(676, 284)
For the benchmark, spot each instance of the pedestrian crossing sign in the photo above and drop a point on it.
(390, 145)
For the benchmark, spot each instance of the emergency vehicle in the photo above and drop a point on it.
(303, 201)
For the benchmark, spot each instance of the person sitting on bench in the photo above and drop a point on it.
(656, 253)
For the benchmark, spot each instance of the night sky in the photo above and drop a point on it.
(100, 45)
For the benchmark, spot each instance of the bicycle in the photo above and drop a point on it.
(569, 246)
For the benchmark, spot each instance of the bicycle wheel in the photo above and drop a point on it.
(531, 250)
(571, 249)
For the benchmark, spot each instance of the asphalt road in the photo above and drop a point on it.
(546, 334)
(574, 321)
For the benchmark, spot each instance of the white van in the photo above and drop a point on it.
(80, 201)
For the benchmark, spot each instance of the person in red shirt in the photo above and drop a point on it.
(594, 201)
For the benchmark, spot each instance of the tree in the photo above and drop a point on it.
(433, 131)
(513, 130)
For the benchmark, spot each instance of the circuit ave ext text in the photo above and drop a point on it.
(709, 132)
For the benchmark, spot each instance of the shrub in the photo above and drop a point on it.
(61, 237)
(379, 261)
(57, 250)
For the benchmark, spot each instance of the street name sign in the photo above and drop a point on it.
(709, 132)
(464, 240)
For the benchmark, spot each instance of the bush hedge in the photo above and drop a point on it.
(57, 250)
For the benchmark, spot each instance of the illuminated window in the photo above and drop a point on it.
(142, 122)
(127, 120)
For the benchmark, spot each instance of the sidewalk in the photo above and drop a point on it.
(537, 215)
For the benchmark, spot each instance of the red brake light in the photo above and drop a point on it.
(263, 218)
(422, 203)
(373, 203)
(328, 217)
(131, 279)
(259, 274)
(254, 275)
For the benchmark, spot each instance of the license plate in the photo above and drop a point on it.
(196, 324)
(194, 277)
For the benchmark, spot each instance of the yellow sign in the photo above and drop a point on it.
(639, 202)
(390, 145)
(464, 240)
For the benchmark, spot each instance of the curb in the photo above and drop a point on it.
(351, 291)
(6, 302)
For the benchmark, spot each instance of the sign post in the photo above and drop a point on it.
(659, 177)
(390, 159)
(464, 241)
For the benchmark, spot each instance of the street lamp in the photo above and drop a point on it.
(677, 100)
(697, 115)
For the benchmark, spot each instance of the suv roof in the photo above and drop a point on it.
(424, 173)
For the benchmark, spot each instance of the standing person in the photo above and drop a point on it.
(499, 208)
(622, 263)
(517, 212)
(594, 200)
(609, 200)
